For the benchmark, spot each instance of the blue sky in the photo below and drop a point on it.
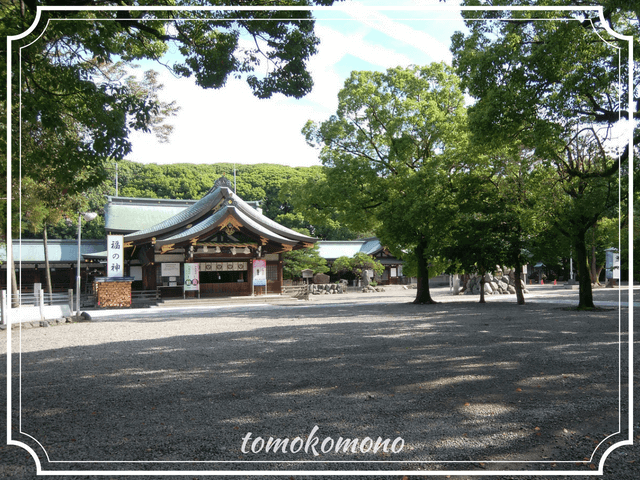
(230, 125)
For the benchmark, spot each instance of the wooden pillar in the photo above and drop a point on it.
(250, 275)
(149, 277)
(280, 276)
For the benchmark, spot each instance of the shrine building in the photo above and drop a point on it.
(218, 243)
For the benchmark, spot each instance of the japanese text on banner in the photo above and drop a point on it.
(115, 255)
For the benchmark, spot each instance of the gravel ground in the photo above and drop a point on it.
(468, 388)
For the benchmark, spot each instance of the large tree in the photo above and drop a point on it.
(549, 80)
(388, 153)
(73, 110)
(501, 198)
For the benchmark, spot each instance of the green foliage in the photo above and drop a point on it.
(543, 81)
(354, 266)
(75, 98)
(502, 201)
(388, 155)
(436, 265)
(551, 86)
(341, 265)
(296, 261)
(307, 195)
(603, 235)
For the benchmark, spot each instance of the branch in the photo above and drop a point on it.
(144, 28)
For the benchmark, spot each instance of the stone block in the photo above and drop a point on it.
(321, 278)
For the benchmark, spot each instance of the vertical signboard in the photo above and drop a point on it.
(191, 277)
(259, 273)
(612, 263)
(115, 255)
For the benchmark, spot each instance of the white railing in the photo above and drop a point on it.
(37, 298)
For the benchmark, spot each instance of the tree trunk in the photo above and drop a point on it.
(482, 282)
(593, 270)
(46, 264)
(586, 293)
(518, 285)
(423, 296)
(599, 272)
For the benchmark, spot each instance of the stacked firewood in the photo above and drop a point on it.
(113, 294)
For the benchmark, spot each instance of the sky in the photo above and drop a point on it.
(230, 125)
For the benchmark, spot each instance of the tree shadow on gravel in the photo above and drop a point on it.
(533, 385)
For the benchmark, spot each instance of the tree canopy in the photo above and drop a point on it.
(74, 101)
(555, 82)
(388, 153)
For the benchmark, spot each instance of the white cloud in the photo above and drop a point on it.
(438, 51)
(227, 125)
(231, 125)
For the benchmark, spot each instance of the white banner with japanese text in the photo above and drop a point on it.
(115, 255)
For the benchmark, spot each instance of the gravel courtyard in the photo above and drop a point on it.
(465, 387)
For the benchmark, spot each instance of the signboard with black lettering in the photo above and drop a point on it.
(170, 269)
(115, 255)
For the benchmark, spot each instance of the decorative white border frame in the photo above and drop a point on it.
(600, 471)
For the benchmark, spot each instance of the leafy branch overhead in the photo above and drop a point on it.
(76, 97)
(556, 88)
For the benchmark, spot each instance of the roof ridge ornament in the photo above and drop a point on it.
(223, 182)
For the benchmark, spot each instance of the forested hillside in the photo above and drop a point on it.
(270, 184)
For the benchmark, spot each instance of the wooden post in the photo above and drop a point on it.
(250, 277)
(3, 307)
(41, 303)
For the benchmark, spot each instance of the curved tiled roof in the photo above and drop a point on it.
(195, 230)
(371, 246)
(262, 230)
(189, 214)
(270, 224)
(215, 219)
(198, 214)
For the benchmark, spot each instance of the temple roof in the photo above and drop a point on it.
(59, 251)
(219, 211)
(122, 214)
